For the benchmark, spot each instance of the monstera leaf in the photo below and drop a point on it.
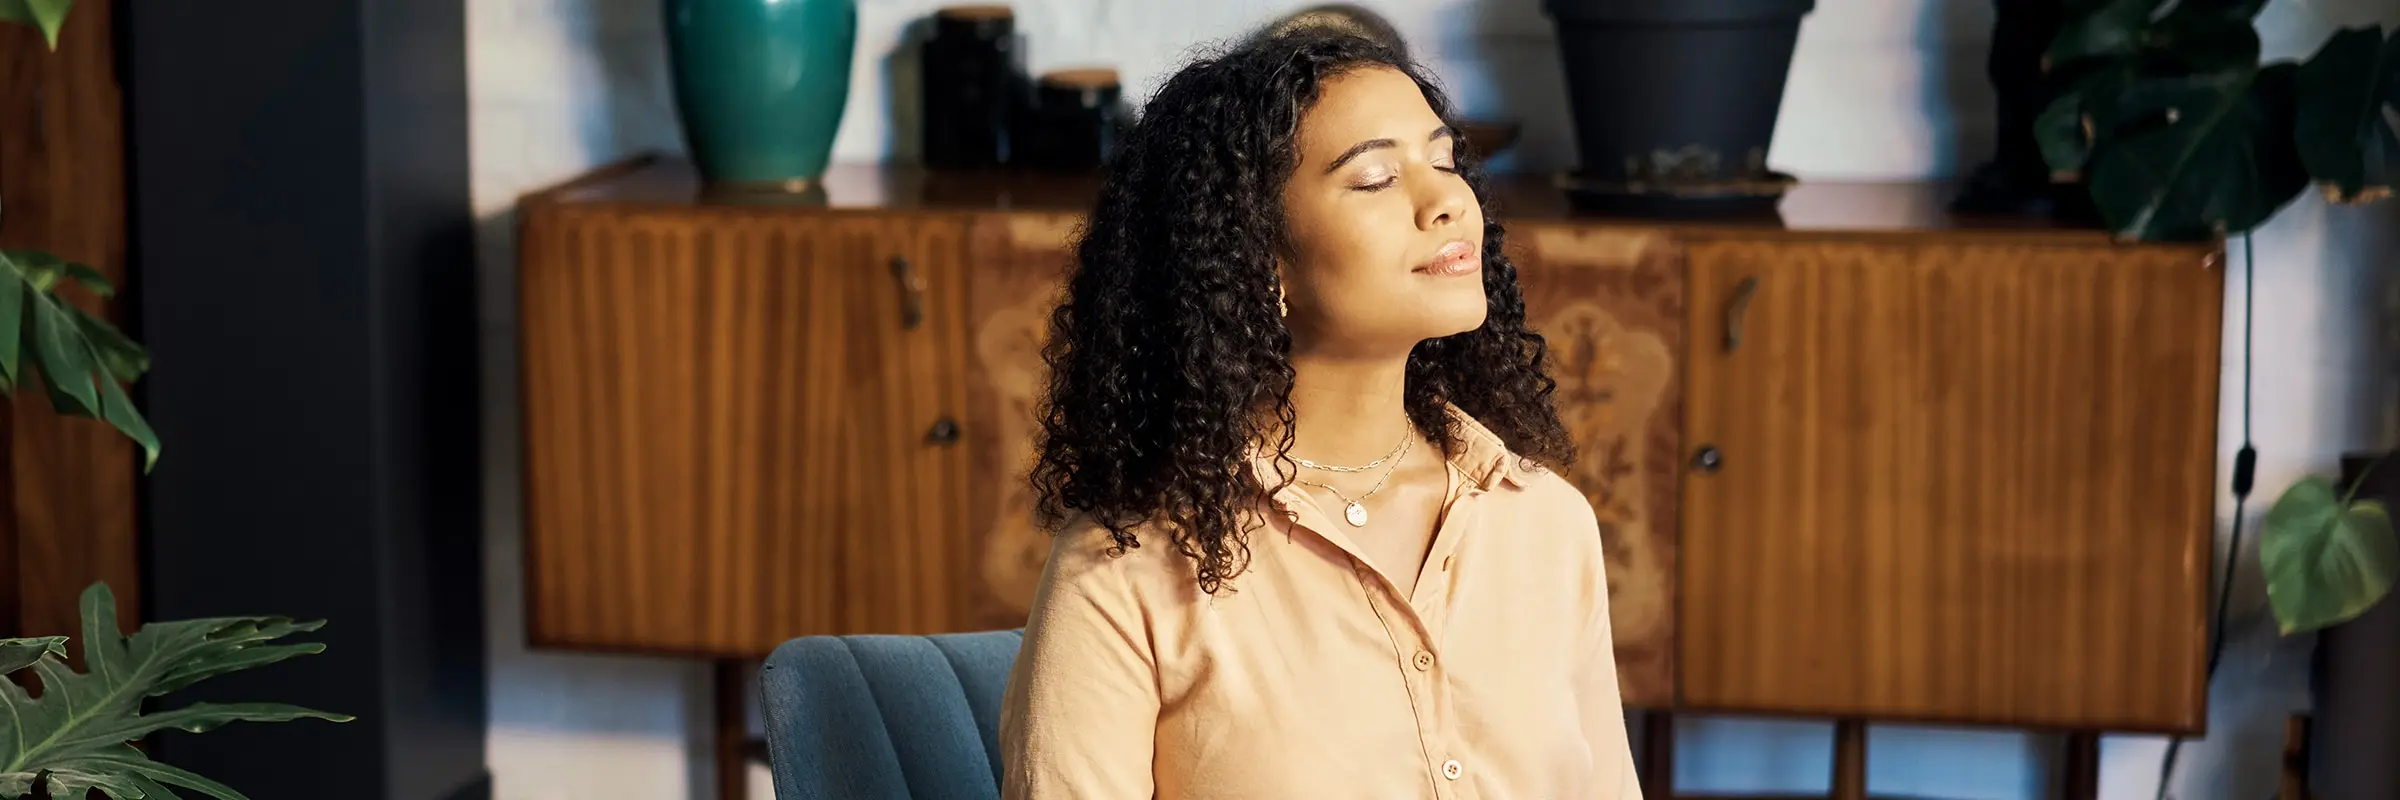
(2064, 129)
(76, 735)
(2349, 115)
(84, 360)
(2180, 133)
(2105, 53)
(2201, 34)
(2327, 555)
(2195, 155)
(48, 15)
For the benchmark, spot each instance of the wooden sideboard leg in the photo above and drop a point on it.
(2295, 758)
(732, 729)
(2079, 771)
(1850, 760)
(1657, 769)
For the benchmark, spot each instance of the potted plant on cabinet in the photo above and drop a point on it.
(1674, 103)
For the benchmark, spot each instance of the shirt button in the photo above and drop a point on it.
(1424, 661)
(1451, 769)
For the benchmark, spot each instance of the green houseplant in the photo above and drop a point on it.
(82, 360)
(2181, 132)
(2171, 121)
(78, 733)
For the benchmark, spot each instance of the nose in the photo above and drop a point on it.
(1442, 199)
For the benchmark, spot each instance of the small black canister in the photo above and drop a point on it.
(1077, 117)
(974, 82)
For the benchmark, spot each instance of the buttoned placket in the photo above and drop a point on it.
(1414, 625)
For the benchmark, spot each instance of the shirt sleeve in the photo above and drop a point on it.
(1081, 712)
(1603, 705)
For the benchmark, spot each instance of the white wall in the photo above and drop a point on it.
(1880, 89)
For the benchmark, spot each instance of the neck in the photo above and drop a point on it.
(1348, 411)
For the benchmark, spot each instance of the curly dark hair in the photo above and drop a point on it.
(1168, 358)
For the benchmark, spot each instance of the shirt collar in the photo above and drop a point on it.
(1484, 458)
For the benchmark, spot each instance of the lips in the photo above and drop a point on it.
(1454, 259)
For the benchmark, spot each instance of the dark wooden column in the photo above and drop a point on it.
(67, 514)
(302, 233)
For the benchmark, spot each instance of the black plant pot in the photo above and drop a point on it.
(1674, 101)
(2016, 181)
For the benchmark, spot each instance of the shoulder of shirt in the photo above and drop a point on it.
(1551, 492)
(1550, 498)
(1084, 556)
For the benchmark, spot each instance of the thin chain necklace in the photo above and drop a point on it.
(1361, 468)
(1355, 511)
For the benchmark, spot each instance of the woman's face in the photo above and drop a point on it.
(1384, 240)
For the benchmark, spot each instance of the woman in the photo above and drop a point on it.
(1300, 451)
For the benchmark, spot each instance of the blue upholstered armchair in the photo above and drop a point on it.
(877, 717)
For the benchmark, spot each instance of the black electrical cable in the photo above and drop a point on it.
(2245, 468)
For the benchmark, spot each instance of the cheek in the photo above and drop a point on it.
(1351, 258)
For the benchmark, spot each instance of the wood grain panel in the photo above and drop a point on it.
(1609, 301)
(62, 184)
(1021, 263)
(919, 567)
(727, 428)
(1959, 482)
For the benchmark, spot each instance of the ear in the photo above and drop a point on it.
(1282, 305)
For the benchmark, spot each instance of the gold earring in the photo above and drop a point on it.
(1281, 308)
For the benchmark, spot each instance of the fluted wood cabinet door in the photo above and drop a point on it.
(1609, 303)
(740, 427)
(1950, 480)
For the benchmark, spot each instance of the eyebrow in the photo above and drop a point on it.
(1377, 144)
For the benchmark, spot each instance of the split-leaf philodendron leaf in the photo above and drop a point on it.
(2349, 115)
(77, 735)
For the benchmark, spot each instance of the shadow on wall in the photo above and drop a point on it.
(1509, 72)
(627, 77)
(558, 87)
(1954, 39)
(904, 94)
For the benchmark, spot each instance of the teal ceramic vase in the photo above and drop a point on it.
(760, 85)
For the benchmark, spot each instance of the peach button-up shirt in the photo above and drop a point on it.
(1313, 678)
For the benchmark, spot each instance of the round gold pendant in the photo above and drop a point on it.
(1356, 515)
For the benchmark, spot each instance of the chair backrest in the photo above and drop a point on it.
(874, 717)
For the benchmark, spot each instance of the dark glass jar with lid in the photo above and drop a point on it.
(973, 72)
(1077, 118)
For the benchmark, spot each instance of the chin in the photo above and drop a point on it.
(1455, 315)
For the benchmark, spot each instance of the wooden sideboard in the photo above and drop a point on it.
(1860, 460)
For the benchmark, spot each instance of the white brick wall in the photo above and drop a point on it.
(1879, 89)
